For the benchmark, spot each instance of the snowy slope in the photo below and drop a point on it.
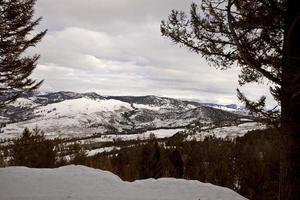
(70, 117)
(69, 114)
(83, 183)
(23, 102)
(226, 132)
(230, 108)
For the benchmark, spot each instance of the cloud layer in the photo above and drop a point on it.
(116, 48)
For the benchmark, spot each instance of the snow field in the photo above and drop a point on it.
(83, 183)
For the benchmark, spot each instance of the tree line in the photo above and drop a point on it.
(248, 164)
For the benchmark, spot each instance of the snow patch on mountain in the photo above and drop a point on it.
(101, 150)
(230, 108)
(69, 114)
(148, 107)
(23, 102)
(226, 132)
(70, 117)
(159, 133)
(82, 106)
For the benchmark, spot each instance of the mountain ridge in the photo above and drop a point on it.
(72, 113)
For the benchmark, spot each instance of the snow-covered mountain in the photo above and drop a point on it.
(69, 114)
(79, 182)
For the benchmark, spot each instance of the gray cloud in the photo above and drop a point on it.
(116, 48)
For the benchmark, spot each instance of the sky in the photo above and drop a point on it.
(116, 48)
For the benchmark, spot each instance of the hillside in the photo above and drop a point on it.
(78, 182)
(69, 115)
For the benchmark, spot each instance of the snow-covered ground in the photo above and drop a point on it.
(149, 107)
(101, 150)
(74, 115)
(159, 133)
(71, 118)
(228, 132)
(69, 115)
(23, 102)
(83, 183)
(163, 133)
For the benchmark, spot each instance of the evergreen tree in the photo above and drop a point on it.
(79, 155)
(151, 165)
(33, 150)
(261, 37)
(2, 162)
(177, 164)
(16, 26)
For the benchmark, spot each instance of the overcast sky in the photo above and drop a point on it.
(116, 48)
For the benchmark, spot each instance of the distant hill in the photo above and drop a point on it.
(70, 114)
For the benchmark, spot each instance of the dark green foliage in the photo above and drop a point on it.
(257, 109)
(258, 165)
(79, 156)
(150, 165)
(2, 163)
(176, 162)
(33, 150)
(248, 165)
(16, 27)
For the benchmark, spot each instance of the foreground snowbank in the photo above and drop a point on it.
(83, 183)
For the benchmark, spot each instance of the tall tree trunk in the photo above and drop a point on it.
(290, 103)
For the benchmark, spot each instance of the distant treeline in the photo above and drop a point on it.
(248, 164)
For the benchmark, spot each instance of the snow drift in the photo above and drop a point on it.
(83, 183)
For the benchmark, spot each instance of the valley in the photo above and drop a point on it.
(96, 120)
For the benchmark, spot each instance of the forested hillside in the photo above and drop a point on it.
(248, 164)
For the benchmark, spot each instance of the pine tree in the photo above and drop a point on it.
(150, 161)
(16, 26)
(33, 150)
(261, 37)
(177, 163)
(79, 155)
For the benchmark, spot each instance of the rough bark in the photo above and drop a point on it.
(290, 103)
